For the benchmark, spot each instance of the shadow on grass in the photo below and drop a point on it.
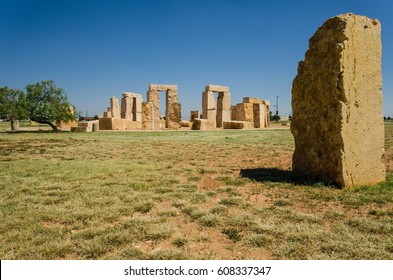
(32, 131)
(280, 176)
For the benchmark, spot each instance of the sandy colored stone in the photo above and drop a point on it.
(195, 115)
(210, 115)
(245, 112)
(115, 108)
(223, 116)
(208, 101)
(185, 123)
(237, 125)
(173, 116)
(173, 107)
(252, 100)
(154, 87)
(147, 115)
(216, 88)
(337, 118)
(203, 124)
(233, 113)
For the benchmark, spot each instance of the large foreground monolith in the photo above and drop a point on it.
(337, 118)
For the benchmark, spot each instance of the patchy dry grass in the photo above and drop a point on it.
(180, 195)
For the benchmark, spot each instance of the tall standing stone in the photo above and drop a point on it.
(337, 104)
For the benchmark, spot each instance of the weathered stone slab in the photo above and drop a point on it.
(118, 124)
(208, 101)
(252, 100)
(223, 116)
(202, 124)
(224, 101)
(154, 87)
(337, 118)
(147, 115)
(245, 112)
(195, 115)
(115, 108)
(173, 116)
(237, 125)
(216, 88)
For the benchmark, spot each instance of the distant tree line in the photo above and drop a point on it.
(41, 102)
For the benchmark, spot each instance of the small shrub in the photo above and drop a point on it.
(233, 234)
(257, 240)
(209, 220)
(219, 209)
(180, 241)
(282, 203)
(231, 201)
(144, 207)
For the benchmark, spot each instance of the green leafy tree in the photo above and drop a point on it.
(48, 103)
(13, 104)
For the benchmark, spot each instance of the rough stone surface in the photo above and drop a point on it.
(218, 112)
(173, 107)
(245, 112)
(337, 104)
(85, 126)
(195, 115)
(115, 109)
(147, 115)
(173, 117)
(118, 124)
(185, 123)
(202, 124)
(237, 125)
(252, 100)
(216, 88)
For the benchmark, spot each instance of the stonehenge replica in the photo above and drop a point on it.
(337, 118)
(252, 113)
(134, 114)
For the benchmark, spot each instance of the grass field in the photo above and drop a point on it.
(180, 195)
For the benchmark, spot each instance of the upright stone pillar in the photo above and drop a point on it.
(209, 110)
(337, 118)
(127, 104)
(153, 96)
(173, 109)
(223, 108)
(115, 109)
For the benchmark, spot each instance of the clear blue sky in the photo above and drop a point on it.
(98, 49)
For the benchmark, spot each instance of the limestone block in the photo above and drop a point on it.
(245, 112)
(215, 88)
(127, 104)
(223, 116)
(153, 96)
(209, 115)
(337, 118)
(237, 125)
(173, 117)
(224, 101)
(202, 124)
(185, 123)
(208, 101)
(138, 103)
(172, 97)
(252, 100)
(108, 113)
(162, 87)
(195, 115)
(66, 126)
(147, 116)
(233, 113)
(258, 115)
(115, 109)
